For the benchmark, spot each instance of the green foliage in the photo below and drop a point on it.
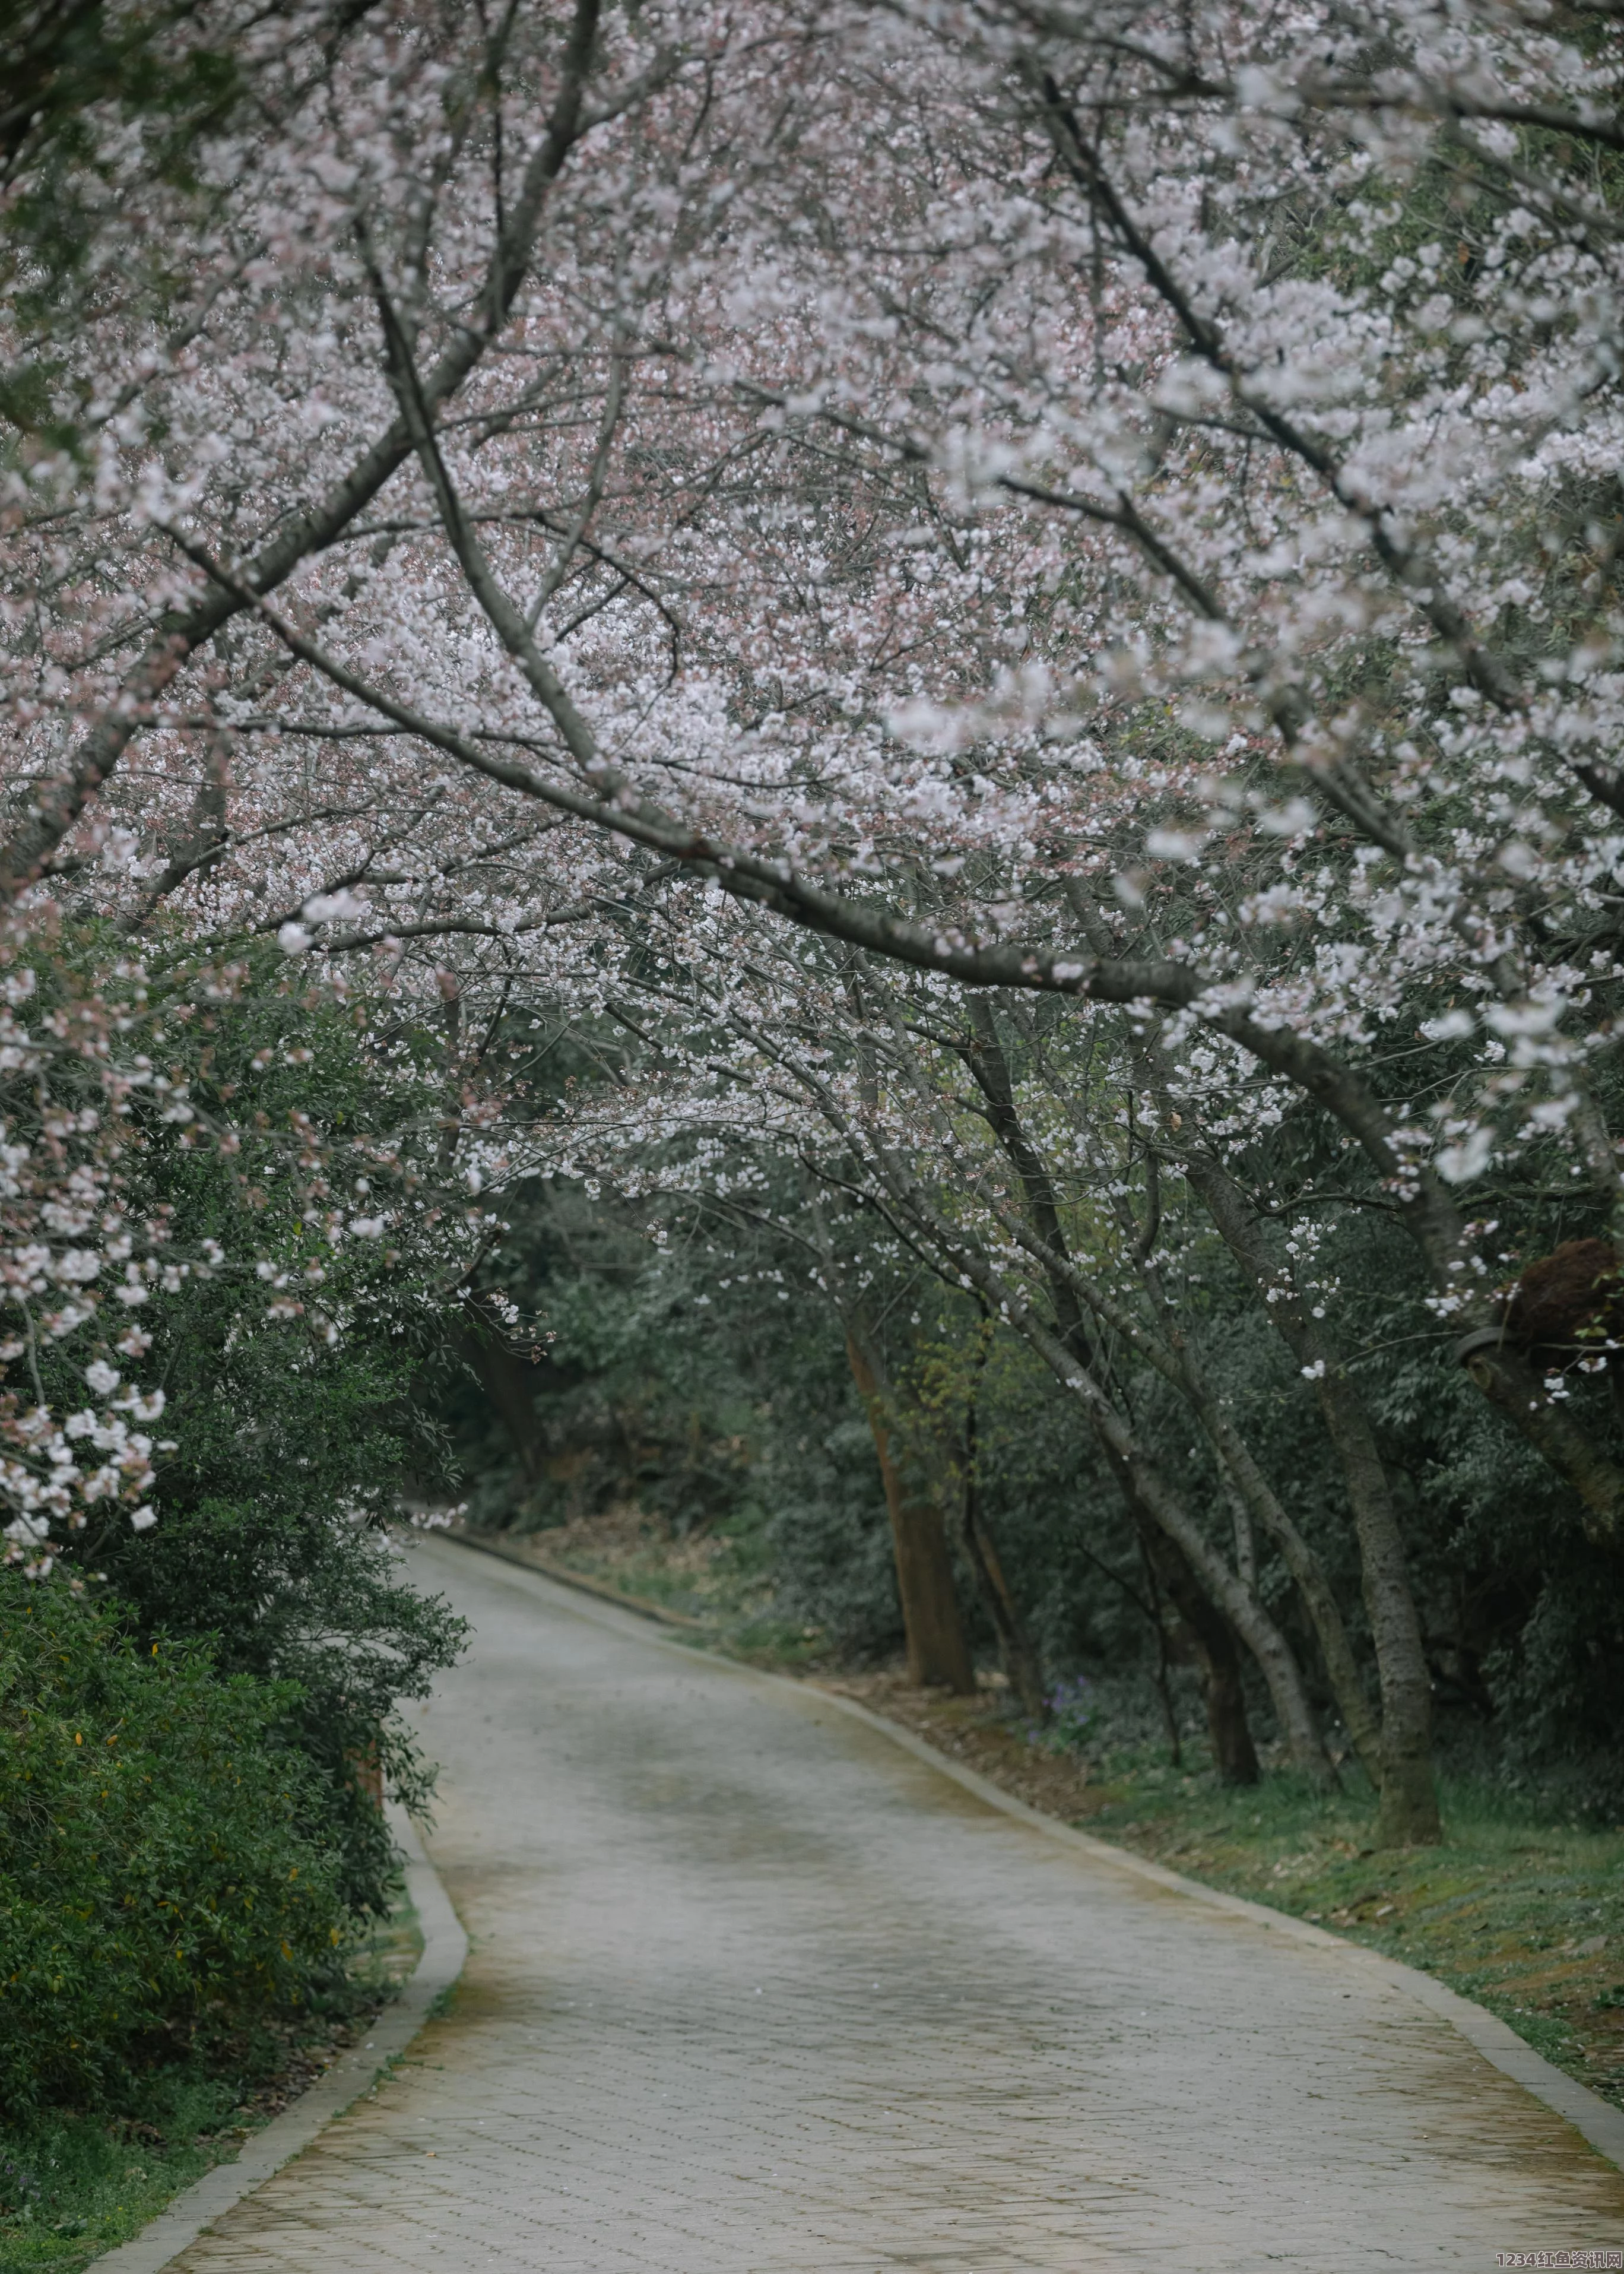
(73, 2185)
(316, 1605)
(622, 1383)
(290, 1375)
(829, 1536)
(159, 1878)
(286, 1343)
(717, 1335)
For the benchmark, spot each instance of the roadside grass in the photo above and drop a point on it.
(1519, 1908)
(1522, 1914)
(712, 1576)
(75, 2183)
(72, 2186)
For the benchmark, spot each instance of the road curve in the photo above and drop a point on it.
(753, 1991)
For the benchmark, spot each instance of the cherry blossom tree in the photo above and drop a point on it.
(1118, 509)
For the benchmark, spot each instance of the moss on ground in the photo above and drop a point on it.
(72, 2186)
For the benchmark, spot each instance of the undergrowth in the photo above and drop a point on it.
(75, 2183)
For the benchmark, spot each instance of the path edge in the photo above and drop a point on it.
(602, 1590)
(1596, 2120)
(445, 1949)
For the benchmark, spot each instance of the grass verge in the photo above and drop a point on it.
(75, 2183)
(708, 1578)
(1524, 1915)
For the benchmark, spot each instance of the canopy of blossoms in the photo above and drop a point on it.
(704, 506)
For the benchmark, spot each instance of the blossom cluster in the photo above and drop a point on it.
(673, 513)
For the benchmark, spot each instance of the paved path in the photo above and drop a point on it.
(754, 1992)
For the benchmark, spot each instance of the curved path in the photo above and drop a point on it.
(754, 1991)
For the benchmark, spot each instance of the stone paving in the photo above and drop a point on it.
(754, 1992)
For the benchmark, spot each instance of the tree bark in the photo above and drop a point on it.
(938, 1655)
(509, 1384)
(1212, 1638)
(1164, 1688)
(1021, 1663)
(1147, 1487)
(1408, 1814)
(1176, 1360)
(1408, 1799)
(1148, 1495)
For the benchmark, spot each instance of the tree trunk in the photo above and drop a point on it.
(1149, 1489)
(938, 1654)
(1174, 1356)
(1255, 1496)
(1408, 1815)
(1213, 1642)
(1021, 1663)
(509, 1384)
(1148, 1495)
(1164, 1688)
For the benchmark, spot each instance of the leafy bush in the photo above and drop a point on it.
(245, 1254)
(159, 1889)
(289, 1373)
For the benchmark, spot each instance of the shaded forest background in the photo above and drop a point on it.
(683, 1359)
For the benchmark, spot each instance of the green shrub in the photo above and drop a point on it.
(157, 1891)
(302, 1279)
